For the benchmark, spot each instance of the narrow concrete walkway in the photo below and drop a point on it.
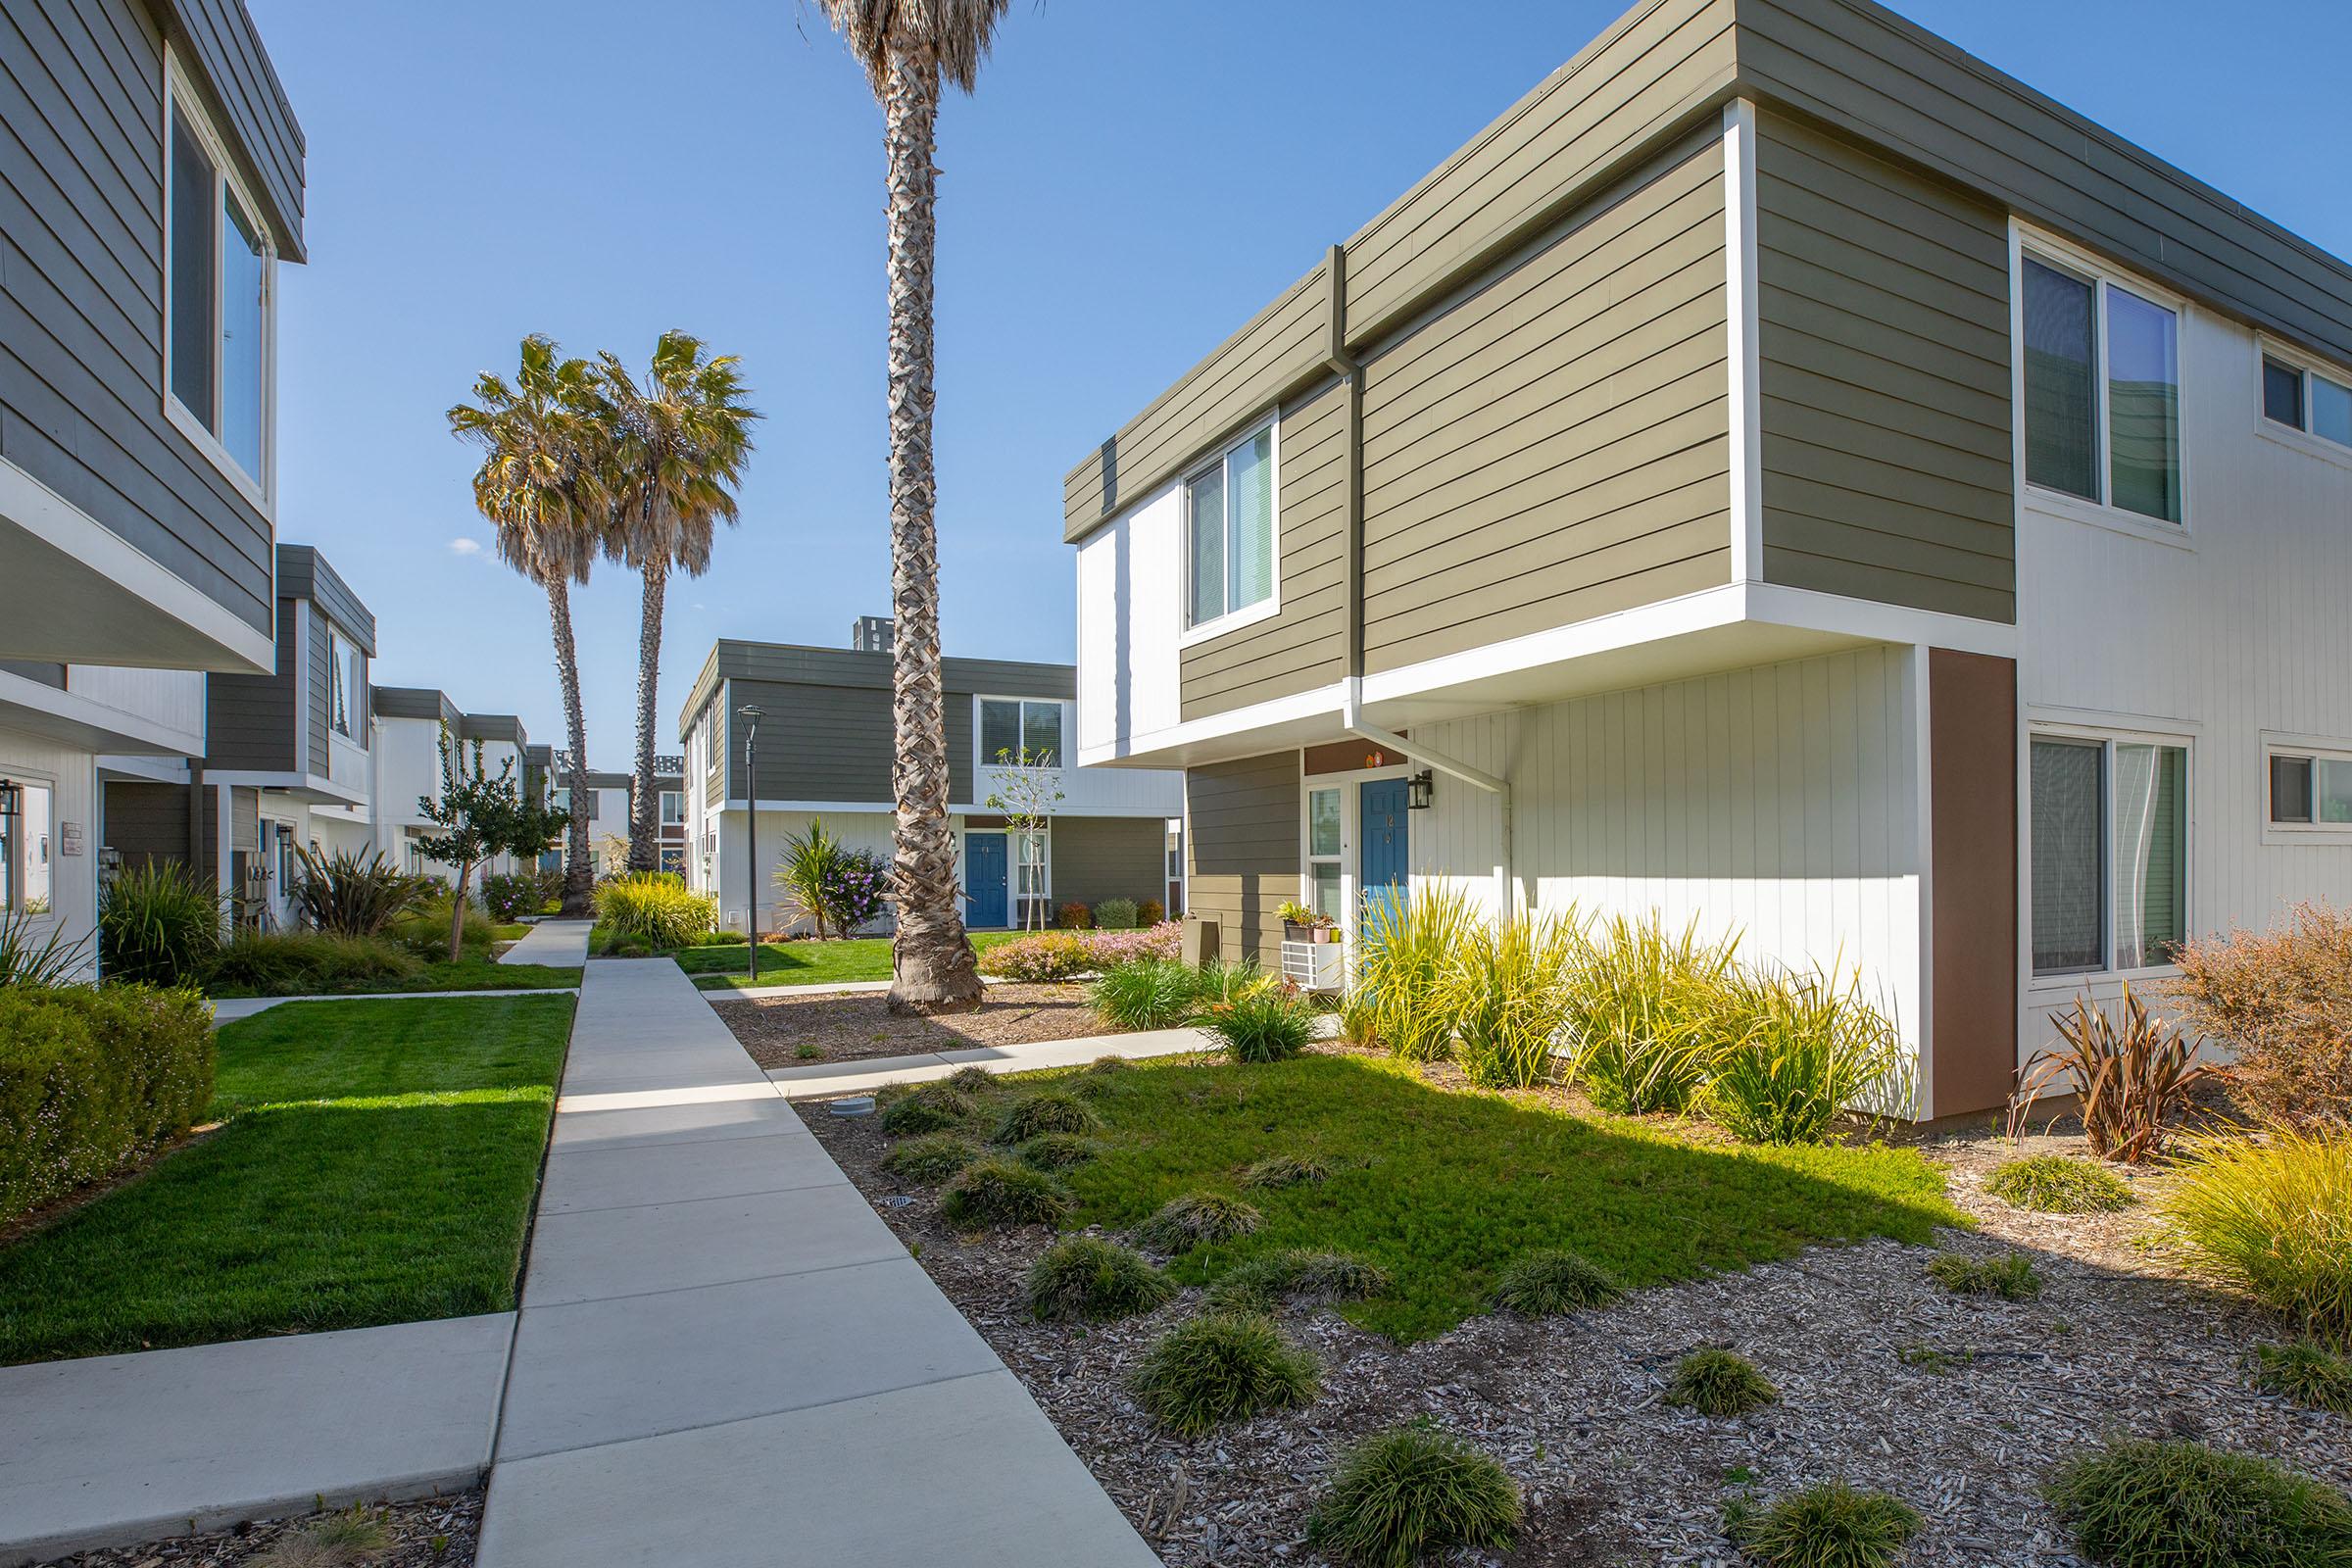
(113, 1450)
(726, 1358)
(562, 943)
(229, 1010)
(822, 1079)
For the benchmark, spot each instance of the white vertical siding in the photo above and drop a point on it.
(170, 698)
(1130, 574)
(72, 776)
(1780, 804)
(856, 830)
(2248, 630)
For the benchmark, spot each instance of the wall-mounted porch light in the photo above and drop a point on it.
(12, 799)
(1420, 790)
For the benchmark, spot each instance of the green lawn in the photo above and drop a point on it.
(377, 1166)
(1442, 1189)
(805, 964)
(471, 973)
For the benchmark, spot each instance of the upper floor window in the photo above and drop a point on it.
(344, 673)
(673, 808)
(1016, 730)
(2307, 401)
(2310, 789)
(1228, 531)
(217, 263)
(2102, 391)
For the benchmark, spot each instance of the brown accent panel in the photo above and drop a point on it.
(1971, 740)
(1243, 849)
(1346, 756)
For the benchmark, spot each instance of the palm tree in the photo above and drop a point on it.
(540, 488)
(907, 48)
(677, 450)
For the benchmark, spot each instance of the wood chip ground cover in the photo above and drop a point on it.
(431, 1533)
(1957, 1405)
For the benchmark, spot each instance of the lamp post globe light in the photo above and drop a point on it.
(750, 712)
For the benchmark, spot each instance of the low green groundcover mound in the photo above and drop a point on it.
(1718, 1382)
(2306, 1373)
(1829, 1526)
(1003, 1192)
(2057, 1184)
(1086, 1279)
(1184, 1223)
(2141, 1503)
(2009, 1276)
(1227, 1366)
(1551, 1281)
(1298, 1277)
(1404, 1495)
(930, 1157)
(1045, 1110)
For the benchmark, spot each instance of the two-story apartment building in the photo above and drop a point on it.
(1784, 473)
(150, 185)
(824, 743)
(409, 723)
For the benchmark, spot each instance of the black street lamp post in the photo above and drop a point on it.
(751, 837)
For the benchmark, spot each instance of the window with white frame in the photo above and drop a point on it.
(2102, 390)
(2303, 399)
(673, 808)
(2109, 852)
(1228, 531)
(1030, 885)
(1021, 730)
(217, 270)
(27, 881)
(2310, 788)
(343, 675)
(1323, 861)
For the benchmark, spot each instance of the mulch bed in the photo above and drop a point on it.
(433, 1532)
(794, 1031)
(1957, 1405)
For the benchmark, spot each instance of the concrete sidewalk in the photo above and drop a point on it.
(113, 1450)
(562, 942)
(823, 1079)
(725, 1356)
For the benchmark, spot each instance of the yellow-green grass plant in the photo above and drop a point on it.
(1506, 992)
(1647, 1014)
(2273, 1216)
(2144, 1503)
(1003, 1192)
(2308, 1374)
(1829, 1526)
(2009, 1276)
(1797, 1049)
(1411, 1494)
(2053, 1184)
(1298, 1276)
(654, 908)
(1196, 1219)
(1226, 1366)
(1410, 949)
(1718, 1382)
(1084, 1279)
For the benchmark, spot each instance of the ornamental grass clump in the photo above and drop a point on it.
(1797, 1049)
(2308, 1374)
(2142, 1504)
(2053, 1184)
(1507, 994)
(1410, 948)
(1647, 1015)
(934, 1108)
(1299, 1277)
(1057, 1151)
(2009, 1276)
(1227, 1366)
(1411, 1494)
(931, 1158)
(2273, 1216)
(1285, 1170)
(159, 923)
(1148, 994)
(654, 909)
(1003, 1192)
(1716, 1381)
(1552, 1281)
(1262, 1024)
(1829, 1526)
(1045, 1110)
(352, 897)
(973, 1080)
(2134, 1077)
(1196, 1219)
(1084, 1279)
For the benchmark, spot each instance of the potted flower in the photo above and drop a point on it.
(1302, 924)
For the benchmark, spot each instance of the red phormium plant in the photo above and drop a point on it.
(2132, 1078)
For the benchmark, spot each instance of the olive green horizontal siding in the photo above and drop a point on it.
(1639, 85)
(1874, 76)
(1883, 328)
(1242, 850)
(1555, 446)
(1098, 857)
(1285, 345)
(1304, 644)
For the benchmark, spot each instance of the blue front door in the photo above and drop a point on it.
(984, 899)
(1385, 860)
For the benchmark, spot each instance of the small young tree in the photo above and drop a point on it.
(480, 817)
(1028, 787)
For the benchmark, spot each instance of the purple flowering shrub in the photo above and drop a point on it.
(1063, 954)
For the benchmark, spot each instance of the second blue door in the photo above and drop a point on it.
(983, 896)
(1385, 860)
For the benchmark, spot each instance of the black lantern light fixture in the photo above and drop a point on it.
(12, 799)
(1420, 790)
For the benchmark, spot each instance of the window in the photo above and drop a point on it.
(2307, 401)
(2102, 392)
(1021, 730)
(218, 265)
(27, 881)
(673, 808)
(343, 676)
(1323, 862)
(2109, 853)
(1228, 531)
(1030, 889)
(2311, 789)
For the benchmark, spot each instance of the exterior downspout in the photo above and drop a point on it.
(1351, 371)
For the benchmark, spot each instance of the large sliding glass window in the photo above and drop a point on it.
(26, 880)
(2102, 392)
(217, 288)
(2109, 853)
(1229, 532)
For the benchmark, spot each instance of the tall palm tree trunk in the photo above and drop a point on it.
(579, 889)
(645, 806)
(931, 960)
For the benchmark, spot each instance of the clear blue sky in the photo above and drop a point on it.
(1135, 178)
